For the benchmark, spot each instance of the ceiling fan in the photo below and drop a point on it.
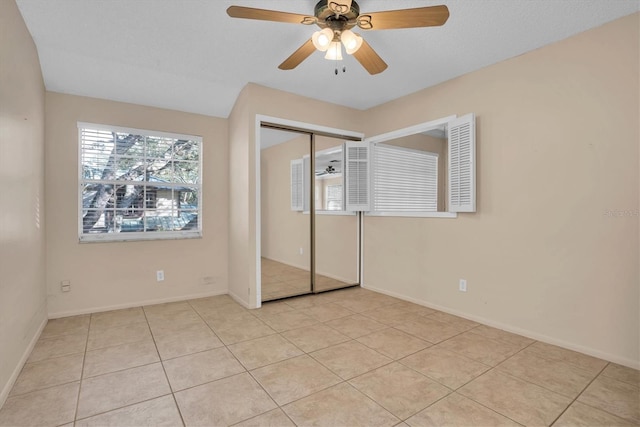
(336, 18)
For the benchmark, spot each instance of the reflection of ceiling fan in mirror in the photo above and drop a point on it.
(336, 19)
(329, 170)
(326, 167)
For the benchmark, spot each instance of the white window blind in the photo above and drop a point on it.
(462, 157)
(297, 185)
(357, 176)
(138, 184)
(333, 197)
(404, 180)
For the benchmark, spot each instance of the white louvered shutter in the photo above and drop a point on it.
(462, 164)
(357, 176)
(404, 180)
(306, 184)
(297, 185)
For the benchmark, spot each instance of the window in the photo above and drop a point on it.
(137, 184)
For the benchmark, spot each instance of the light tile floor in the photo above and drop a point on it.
(346, 358)
(281, 280)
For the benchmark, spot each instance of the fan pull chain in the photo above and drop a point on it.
(344, 68)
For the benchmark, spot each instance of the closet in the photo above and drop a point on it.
(309, 240)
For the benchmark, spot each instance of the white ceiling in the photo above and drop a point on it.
(188, 55)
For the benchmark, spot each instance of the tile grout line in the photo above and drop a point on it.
(128, 405)
(580, 394)
(544, 387)
(163, 369)
(491, 368)
(451, 391)
(84, 358)
(246, 371)
(480, 403)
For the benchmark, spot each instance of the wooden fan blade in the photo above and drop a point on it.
(369, 59)
(268, 15)
(431, 16)
(298, 56)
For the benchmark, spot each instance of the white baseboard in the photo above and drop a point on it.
(635, 364)
(341, 279)
(134, 304)
(322, 273)
(300, 266)
(240, 301)
(27, 352)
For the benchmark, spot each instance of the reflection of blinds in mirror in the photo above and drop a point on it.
(297, 187)
(404, 180)
(333, 198)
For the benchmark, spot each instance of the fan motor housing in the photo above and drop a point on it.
(327, 18)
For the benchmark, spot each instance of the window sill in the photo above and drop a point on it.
(137, 237)
(338, 213)
(415, 214)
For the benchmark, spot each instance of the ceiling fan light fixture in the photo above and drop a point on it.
(322, 39)
(334, 53)
(351, 41)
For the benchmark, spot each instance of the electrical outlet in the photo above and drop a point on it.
(208, 280)
(462, 287)
(301, 251)
(65, 286)
(160, 275)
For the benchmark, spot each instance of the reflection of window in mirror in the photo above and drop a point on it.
(333, 197)
(329, 179)
(318, 196)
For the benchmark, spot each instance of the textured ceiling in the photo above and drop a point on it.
(188, 55)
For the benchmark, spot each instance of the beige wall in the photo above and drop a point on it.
(23, 305)
(337, 247)
(283, 231)
(242, 262)
(119, 274)
(259, 100)
(557, 149)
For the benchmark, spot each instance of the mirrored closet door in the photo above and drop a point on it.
(336, 230)
(285, 228)
(309, 241)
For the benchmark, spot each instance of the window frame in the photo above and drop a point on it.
(399, 133)
(137, 235)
